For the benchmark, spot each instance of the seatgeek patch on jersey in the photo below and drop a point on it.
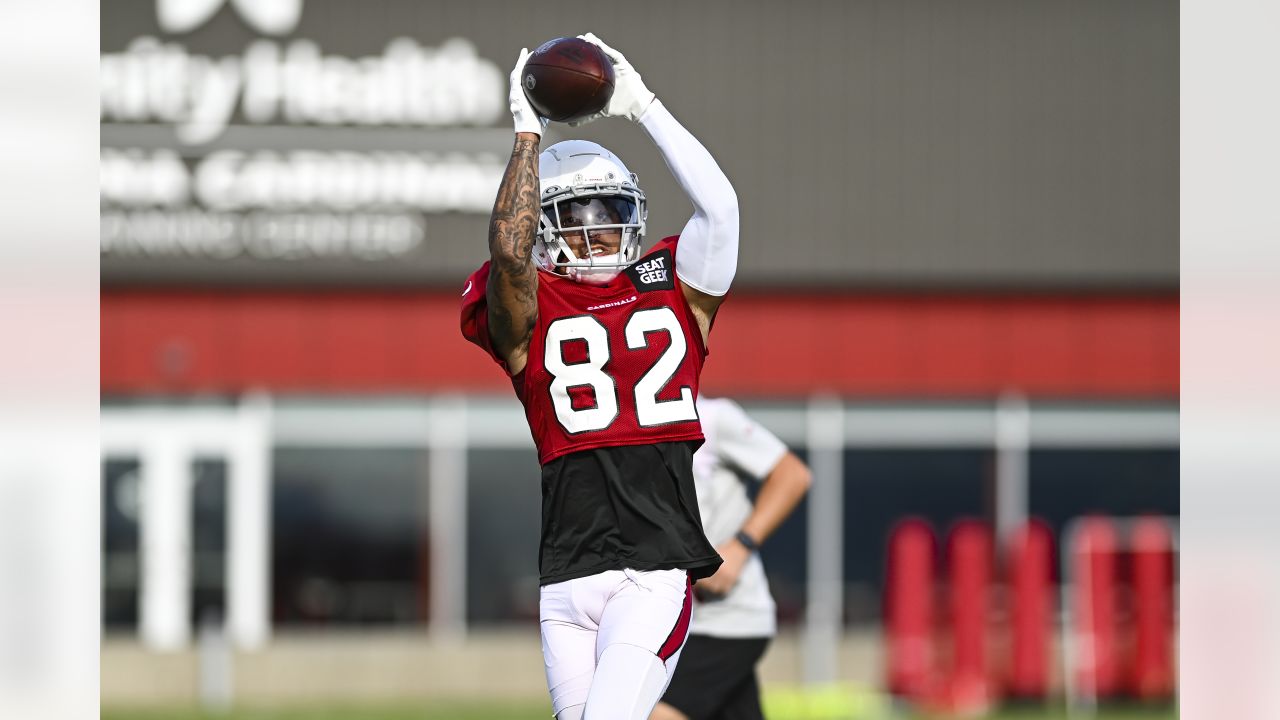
(653, 272)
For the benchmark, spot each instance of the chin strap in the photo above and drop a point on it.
(593, 276)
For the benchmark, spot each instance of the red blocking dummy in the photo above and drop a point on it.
(1153, 675)
(1030, 578)
(1094, 597)
(909, 609)
(969, 569)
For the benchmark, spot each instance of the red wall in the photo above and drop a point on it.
(886, 345)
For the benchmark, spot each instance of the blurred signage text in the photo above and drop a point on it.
(408, 84)
(270, 17)
(274, 152)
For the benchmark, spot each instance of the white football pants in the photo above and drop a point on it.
(610, 641)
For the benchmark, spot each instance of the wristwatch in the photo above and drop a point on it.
(747, 541)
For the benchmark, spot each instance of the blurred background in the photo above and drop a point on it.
(957, 299)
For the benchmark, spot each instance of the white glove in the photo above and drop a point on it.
(630, 96)
(526, 119)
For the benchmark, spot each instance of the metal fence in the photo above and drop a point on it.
(468, 442)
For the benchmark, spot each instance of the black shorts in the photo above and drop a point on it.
(716, 679)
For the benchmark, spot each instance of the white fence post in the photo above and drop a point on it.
(823, 623)
(1013, 443)
(216, 665)
(447, 516)
(248, 559)
(165, 528)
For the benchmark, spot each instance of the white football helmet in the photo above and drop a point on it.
(586, 191)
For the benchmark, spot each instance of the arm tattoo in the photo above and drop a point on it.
(512, 292)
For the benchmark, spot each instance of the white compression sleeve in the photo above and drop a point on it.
(572, 713)
(708, 253)
(628, 683)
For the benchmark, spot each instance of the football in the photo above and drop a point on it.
(567, 79)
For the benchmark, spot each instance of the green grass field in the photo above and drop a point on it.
(527, 711)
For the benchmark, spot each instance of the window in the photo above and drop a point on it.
(121, 559)
(504, 526)
(1065, 483)
(885, 486)
(208, 540)
(349, 541)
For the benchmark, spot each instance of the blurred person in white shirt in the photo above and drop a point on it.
(734, 616)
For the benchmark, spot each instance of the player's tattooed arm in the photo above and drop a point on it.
(512, 290)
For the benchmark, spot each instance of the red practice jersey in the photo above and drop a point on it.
(608, 365)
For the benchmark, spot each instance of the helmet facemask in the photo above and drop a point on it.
(604, 220)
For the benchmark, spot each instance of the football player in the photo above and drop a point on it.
(604, 345)
(733, 619)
